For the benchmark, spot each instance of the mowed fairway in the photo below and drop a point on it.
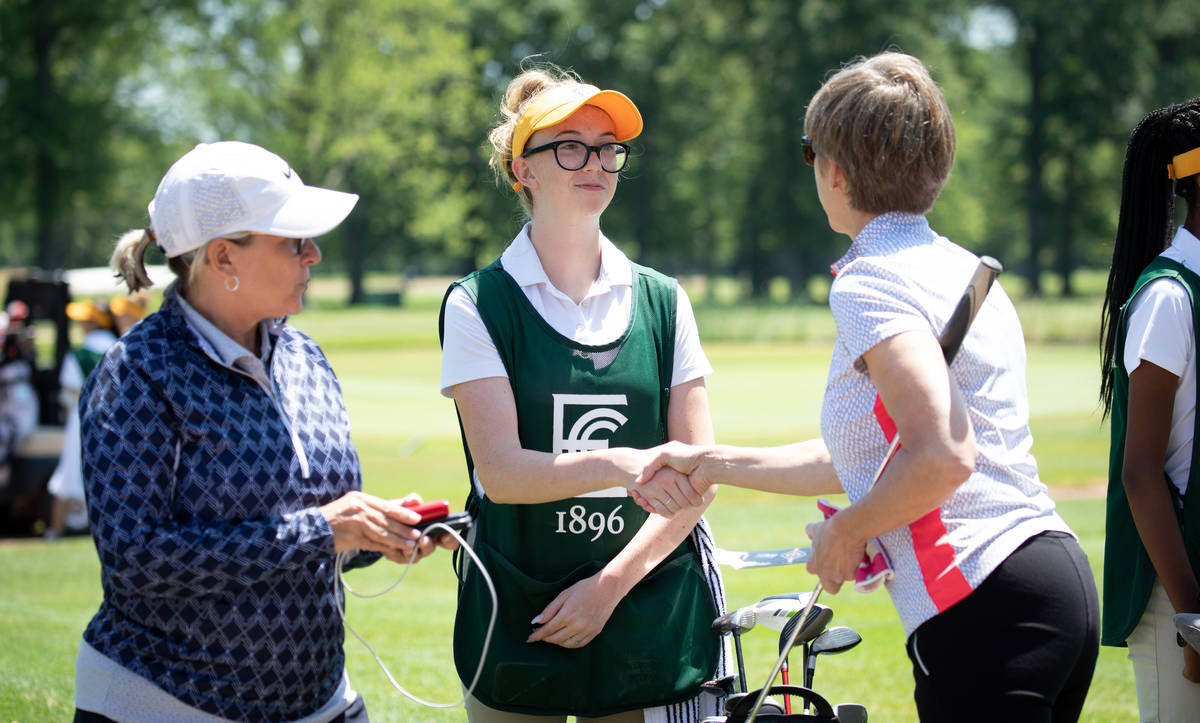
(408, 439)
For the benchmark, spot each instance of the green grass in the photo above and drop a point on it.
(407, 436)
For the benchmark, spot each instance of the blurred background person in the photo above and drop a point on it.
(222, 483)
(1151, 309)
(67, 512)
(128, 309)
(18, 400)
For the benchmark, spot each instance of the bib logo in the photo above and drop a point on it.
(598, 418)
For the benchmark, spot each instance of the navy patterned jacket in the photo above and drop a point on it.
(217, 567)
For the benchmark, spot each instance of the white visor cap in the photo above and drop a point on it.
(217, 189)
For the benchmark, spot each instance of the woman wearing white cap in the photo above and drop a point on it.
(565, 361)
(221, 479)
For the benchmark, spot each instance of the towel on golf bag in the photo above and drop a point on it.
(875, 569)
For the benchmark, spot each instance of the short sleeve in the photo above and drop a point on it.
(690, 359)
(871, 304)
(468, 352)
(1160, 327)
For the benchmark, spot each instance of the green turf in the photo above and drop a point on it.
(762, 393)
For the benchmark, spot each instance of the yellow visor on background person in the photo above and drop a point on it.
(557, 104)
(131, 306)
(89, 311)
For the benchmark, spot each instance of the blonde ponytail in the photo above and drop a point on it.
(521, 90)
(129, 258)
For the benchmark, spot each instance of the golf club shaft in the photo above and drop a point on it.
(737, 645)
(950, 340)
(787, 699)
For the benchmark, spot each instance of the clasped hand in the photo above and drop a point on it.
(676, 477)
(670, 480)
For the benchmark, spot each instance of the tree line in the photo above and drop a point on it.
(392, 99)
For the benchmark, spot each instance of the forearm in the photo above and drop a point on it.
(1151, 403)
(652, 544)
(1154, 515)
(524, 476)
(688, 420)
(512, 474)
(911, 486)
(802, 468)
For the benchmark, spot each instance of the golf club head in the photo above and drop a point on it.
(835, 640)
(850, 712)
(735, 621)
(1188, 625)
(773, 612)
(831, 642)
(812, 626)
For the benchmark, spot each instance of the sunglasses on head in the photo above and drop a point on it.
(810, 156)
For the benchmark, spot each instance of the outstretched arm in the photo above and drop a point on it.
(801, 468)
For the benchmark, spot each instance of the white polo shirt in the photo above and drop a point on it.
(899, 276)
(600, 318)
(1161, 332)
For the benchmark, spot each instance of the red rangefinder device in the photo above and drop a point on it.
(438, 511)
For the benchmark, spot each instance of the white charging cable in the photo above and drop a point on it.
(344, 556)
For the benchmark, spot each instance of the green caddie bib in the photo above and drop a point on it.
(1128, 572)
(657, 647)
(87, 359)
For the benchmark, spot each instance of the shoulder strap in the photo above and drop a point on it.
(659, 295)
(471, 284)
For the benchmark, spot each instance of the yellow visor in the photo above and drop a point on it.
(557, 104)
(88, 311)
(1184, 165)
(132, 306)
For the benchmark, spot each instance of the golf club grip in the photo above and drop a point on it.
(968, 306)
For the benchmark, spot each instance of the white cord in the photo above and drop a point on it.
(342, 557)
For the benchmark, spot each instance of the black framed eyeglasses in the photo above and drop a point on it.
(573, 155)
(810, 156)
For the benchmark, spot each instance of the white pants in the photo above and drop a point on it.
(1163, 694)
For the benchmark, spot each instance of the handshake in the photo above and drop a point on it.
(674, 477)
(670, 478)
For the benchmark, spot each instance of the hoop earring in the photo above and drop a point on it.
(236, 284)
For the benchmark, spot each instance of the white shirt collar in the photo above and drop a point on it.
(1188, 247)
(220, 345)
(521, 262)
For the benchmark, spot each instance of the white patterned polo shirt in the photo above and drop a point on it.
(898, 276)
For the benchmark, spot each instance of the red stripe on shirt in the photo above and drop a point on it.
(944, 581)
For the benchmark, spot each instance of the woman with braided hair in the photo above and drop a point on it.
(1148, 331)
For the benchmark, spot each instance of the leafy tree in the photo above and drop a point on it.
(374, 97)
(70, 134)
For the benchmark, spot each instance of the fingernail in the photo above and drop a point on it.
(537, 620)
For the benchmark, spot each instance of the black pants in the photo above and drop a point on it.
(1022, 647)
(356, 713)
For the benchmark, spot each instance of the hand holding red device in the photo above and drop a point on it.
(438, 511)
